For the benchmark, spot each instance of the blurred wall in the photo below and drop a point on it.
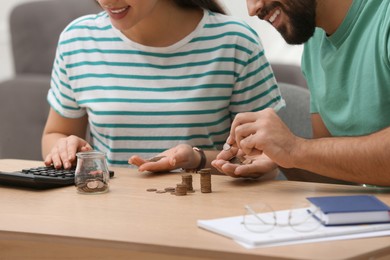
(276, 49)
(6, 63)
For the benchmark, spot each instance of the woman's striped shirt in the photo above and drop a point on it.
(143, 100)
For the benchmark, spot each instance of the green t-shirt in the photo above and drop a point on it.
(348, 73)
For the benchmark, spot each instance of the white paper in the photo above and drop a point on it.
(233, 228)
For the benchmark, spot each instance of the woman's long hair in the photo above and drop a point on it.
(211, 5)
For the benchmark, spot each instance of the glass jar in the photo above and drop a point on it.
(92, 174)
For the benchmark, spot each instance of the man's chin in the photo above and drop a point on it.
(294, 40)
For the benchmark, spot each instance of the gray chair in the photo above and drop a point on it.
(35, 27)
(294, 90)
(296, 114)
(289, 73)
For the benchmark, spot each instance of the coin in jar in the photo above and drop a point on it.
(100, 184)
(92, 184)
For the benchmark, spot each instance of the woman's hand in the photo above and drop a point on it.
(180, 156)
(63, 154)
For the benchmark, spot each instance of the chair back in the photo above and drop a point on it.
(35, 27)
(289, 73)
(296, 114)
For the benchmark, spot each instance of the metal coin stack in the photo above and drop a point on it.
(93, 186)
(181, 189)
(205, 180)
(187, 180)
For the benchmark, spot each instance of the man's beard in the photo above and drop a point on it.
(302, 16)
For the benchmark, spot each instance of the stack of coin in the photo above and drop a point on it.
(187, 180)
(181, 189)
(205, 180)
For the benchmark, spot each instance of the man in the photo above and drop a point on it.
(346, 62)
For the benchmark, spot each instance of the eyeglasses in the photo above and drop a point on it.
(261, 218)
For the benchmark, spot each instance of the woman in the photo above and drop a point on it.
(154, 77)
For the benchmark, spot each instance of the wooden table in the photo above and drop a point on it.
(130, 223)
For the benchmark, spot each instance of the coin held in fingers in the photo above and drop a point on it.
(226, 147)
(156, 158)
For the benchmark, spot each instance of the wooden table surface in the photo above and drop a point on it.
(129, 222)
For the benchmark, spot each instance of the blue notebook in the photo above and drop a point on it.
(349, 210)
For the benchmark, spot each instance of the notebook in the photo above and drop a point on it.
(350, 210)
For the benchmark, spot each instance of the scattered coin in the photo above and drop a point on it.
(186, 187)
(169, 189)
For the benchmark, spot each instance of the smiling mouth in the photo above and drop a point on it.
(120, 10)
(274, 16)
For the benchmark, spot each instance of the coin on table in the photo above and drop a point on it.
(168, 189)
(226, 147)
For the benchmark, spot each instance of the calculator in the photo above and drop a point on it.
(44, 177)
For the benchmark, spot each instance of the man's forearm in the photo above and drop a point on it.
(363, 159)
(295, 174)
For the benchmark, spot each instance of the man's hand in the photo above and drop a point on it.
(264, 132)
